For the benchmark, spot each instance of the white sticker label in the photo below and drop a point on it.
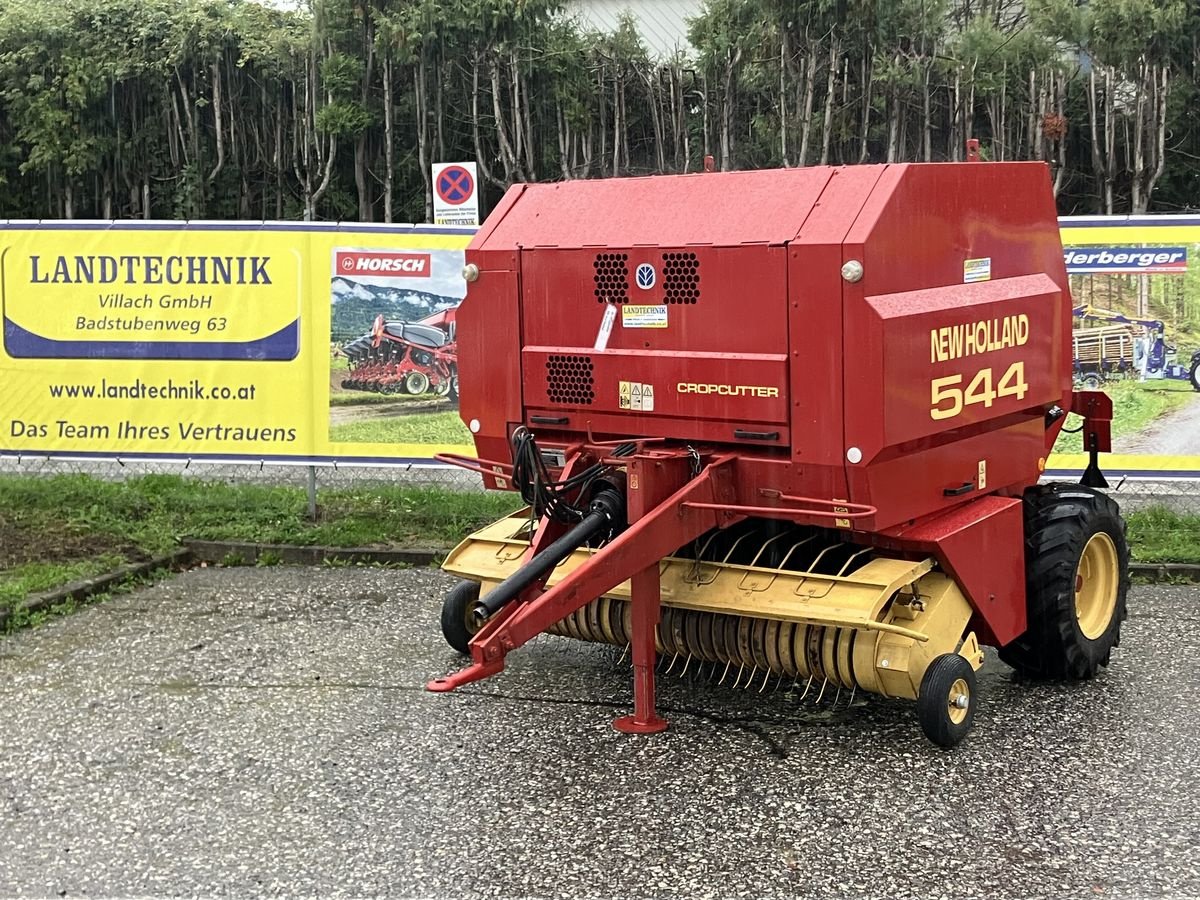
(635, 395)
(606, 327)
(977, 270)
(633, 316)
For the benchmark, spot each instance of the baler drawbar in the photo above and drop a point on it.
(786, 425)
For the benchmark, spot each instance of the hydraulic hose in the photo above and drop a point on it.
(605, 514)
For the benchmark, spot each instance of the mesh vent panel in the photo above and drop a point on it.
(569, 380)
(681, 277)
(612, 278)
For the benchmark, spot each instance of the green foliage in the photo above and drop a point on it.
(427, 428)
(1158, 534)
(234, 108)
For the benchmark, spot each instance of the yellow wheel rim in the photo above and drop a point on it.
(1096, 586)
(958, 701)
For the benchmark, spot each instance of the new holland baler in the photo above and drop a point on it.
(787, 425)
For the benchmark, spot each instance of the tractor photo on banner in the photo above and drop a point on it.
(1136, 333)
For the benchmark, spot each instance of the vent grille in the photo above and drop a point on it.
(681, 277)
(612, 278)
(569, 380)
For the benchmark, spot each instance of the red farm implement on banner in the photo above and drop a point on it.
(405, 358)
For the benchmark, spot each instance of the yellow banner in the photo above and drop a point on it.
(223, 340)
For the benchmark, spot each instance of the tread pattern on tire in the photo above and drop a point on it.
(1059, 520)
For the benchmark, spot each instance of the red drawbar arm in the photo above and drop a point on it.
(659, 533)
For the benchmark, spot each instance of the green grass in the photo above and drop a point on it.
(56, 530)
(37, 577)
(1160, 535)
(1135, 405)
(428, 428)
(369, 398)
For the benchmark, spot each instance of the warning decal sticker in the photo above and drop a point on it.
(636, 395)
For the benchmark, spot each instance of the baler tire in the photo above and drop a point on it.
(456, 614)
(1060, 522)
(1194, 375)
(944, 723)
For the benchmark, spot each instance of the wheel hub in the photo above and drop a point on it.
(1096, 582)
(958, 701)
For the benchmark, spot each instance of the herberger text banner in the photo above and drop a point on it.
(201, 340)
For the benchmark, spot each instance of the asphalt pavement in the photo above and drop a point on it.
(244, 732)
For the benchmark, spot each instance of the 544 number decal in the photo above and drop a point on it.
(949, 398)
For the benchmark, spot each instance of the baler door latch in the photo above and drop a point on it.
(964, 488)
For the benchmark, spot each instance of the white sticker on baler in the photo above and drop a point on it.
(606, 327)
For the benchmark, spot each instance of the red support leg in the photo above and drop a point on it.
(644, 588)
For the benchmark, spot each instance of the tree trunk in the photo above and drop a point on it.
(389, 138)
(830, 94)
(810, 87)
(216, 101)
(481, 158)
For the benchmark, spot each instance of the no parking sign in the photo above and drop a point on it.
(455, 194)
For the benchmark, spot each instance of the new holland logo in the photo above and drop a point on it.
(645, 276)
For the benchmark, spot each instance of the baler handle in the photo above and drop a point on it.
(964, 488)
(548, 420)
(744, 435)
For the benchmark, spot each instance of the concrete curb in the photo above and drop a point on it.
(1165, 572)
(297, 554)
(79, 591)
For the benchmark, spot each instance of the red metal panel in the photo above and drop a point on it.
(718, 208)
(815, 333)
(735, 386)
(489, 339)
(732, 298)
(960, 347)
(982, 545)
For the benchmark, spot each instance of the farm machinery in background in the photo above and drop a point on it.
(405, 357)
(785, 429)
(1125, 347)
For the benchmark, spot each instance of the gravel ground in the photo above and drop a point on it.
(242, 732)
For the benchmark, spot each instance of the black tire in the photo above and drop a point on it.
(1092, 381)
(456, 614)
(454, 384)
(1194, 375)
(1062, 640)
(945, 721)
